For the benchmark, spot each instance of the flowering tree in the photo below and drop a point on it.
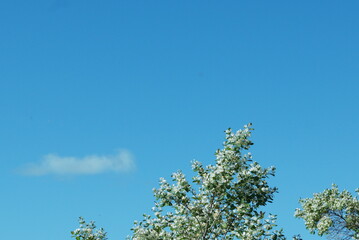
(87, 231)
(222, 201)
(331, 213)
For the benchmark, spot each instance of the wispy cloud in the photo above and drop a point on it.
(54, 164)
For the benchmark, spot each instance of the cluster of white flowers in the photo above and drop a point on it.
(88, 231)
(331, 213)
(221, 202)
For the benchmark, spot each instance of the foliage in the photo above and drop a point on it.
(223, 201)
(331, 213)
(88, 231)
(297, 237)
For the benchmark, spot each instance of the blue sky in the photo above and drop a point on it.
(99, 99)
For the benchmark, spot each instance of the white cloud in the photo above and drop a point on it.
(56, 165)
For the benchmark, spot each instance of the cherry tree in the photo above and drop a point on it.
(88, 231)
(331, 213)
(223, 201)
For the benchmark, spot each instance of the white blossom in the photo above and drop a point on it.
(221, 202)
(88, 231)
(331, 213)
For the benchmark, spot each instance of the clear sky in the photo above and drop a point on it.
(99, 99)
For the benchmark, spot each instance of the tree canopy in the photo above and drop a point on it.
(88, 231)
(331, 213)
(222, 201)
(225, 201)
